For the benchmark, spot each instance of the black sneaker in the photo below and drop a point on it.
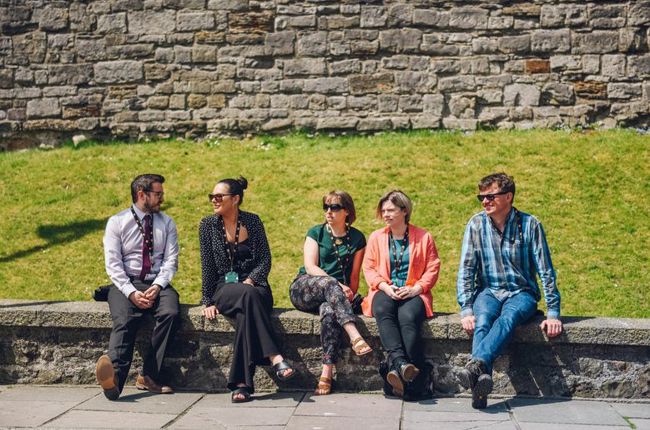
(481, 390)
(468, 375)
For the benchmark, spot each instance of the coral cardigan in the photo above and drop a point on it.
(424, 265)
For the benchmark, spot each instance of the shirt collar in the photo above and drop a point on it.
(509, 220)
(138, 212)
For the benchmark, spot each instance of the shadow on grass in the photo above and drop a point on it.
(57, 234)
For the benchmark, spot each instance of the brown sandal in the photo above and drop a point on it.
(360, 346)
(324, 386)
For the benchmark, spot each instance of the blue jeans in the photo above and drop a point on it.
(496, 322)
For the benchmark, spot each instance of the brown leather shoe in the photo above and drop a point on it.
(107, 378)
(146, 383)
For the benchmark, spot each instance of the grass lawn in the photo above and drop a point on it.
(590, 190)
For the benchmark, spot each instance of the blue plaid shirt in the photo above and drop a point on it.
(505, 265)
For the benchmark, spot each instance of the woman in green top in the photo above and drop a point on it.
(333, 253)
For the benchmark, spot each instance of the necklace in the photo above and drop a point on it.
(230, 248)
(397, 260)
(337, 241)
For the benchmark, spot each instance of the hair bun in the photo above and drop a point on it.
(243, 182)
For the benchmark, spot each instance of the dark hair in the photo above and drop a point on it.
(346, 201)
(143, 183)
(506, 183)
(399, 199)
(236, 186)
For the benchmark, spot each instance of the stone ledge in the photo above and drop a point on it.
(577, 330)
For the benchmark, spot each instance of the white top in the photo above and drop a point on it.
(123, 249)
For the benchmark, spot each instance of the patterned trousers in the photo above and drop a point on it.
(323, 294)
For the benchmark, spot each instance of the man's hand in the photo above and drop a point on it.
(468, 322)
(210, 312)
(152, 292)
(407, 292)
(349, 294)
(552, 326)
(139, 299)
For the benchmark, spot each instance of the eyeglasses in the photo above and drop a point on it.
(490, 197)
(334, 208)
(218, 197)
(159, 194)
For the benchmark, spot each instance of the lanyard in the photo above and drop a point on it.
(397, 260)
(148, 239)
(231, 249)
(348, 248)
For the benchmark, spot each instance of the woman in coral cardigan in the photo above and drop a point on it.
(401, 265)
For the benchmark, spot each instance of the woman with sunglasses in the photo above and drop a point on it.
(329, 279)
(401, 267)
(235, 263)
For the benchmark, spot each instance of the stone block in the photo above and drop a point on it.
(410, 103)
(613, 66)
(591, 89)
(363, 48)
(459, 124)
(596, 42)
(177, 101)
(488, 96)
(364, 103)
(52, 18)
(338, 22)
(424, 122)
(500, 22)
(624, 90)
(639, 66)
(388, 102)
(457, 83)
(345, 67)
(158, 102)
(112, 23)
(311, 44)
(125, 71)
(209, 37)
(6, 78)
(374, 124)
(304, 66)
(521, 95)
(204, 54)
(152, 22)
(377, 83)
(43, 108)
(182, 54)
(373, 16)
(326, 85)
(91, 49)
(523, 10)
(280, 43)
(198, 101)
(251, 22)
(514, 44)
(538, 66)
(337, 123)
(70, 74)
(399, 15)
(431, 18)
(195, 21)
(28, 48)
(468, 18)
(607, 16)
(462, 106)
(555, 93)
(561, 63)
(405, 40)
(639, 13)
(234, 5)
(544, 41)
(415, 82)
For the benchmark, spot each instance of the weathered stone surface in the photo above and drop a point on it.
(639, 65)
(379, 83)
(195, 21)
(550, 41)
(468, 18)
(430, 18)
(152, 22)
(591, 89)
(326, 85)
(538, 66)
(52, 18)
(43, 108)
(109, 72)
(112, 23)
(639, 13)
(280, 43)
(558, 94)
(304, 66)
(521, 95)
(624, 90)
(597, 42)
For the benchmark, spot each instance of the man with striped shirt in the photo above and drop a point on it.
(504, 251)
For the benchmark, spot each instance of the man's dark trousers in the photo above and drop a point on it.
(127, 318)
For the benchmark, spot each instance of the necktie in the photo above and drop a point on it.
(147, 247)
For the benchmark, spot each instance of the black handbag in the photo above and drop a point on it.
(356, 304)
(101, 293)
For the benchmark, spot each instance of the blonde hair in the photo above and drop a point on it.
(399, 199)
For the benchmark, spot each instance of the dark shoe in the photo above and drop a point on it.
(148, 384)
(478, 402)
(469, 374)
(408, 372)
(241, 395)
(395, 380)
(481, 390)
(107, 378)
(281, 370)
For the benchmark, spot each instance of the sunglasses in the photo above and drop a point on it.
(490, 197)
(218, 197)
(334, 208)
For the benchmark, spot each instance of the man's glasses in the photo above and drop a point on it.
(218, 197)
(490, 197)
(334, 208)
(158, 194)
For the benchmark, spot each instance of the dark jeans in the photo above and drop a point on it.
(127, 318)
(496, 322)
(399, 323)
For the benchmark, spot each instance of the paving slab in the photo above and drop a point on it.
(260, 400)
(565, 412)
(133, 400)
(45, 394)
(349, 405)
(632, 410)
(222, 418)
(110, 420)
(452, 404)
(467, 425)
(338, 423)
(546, 426)
(30, 413)
(640, 424)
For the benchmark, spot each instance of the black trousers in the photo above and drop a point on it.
(255, 341)
(399, 323)
(127, 318)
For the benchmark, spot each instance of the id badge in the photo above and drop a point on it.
(232, 277)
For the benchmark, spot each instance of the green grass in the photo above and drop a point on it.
(590, 190)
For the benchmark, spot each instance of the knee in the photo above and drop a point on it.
(381, 308)
(171, 313)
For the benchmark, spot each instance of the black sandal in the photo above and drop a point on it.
(281, 368)
(245, 392)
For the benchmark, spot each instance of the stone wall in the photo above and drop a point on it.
(50, 343)
(131, 68)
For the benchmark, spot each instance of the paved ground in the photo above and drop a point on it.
(86, 407)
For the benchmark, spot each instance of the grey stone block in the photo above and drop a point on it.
(431, 18)
(521, 95)
(596, 42)
(326, 85)
(118, 71)
(624, 90)
(543, 41)
(373, 16)
(52, 18)
(311, 44)
(639, 13)
(43, 108)
(112, 23)
(639, 66)
(151, 22)
(304, 66)
(194, 21)
(468, 18)
(337, 123)
(458, 83)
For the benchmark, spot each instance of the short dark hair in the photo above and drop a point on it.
(143, 183)
(399, 199)
(506, 183)
(345, 200)
(236, 186)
